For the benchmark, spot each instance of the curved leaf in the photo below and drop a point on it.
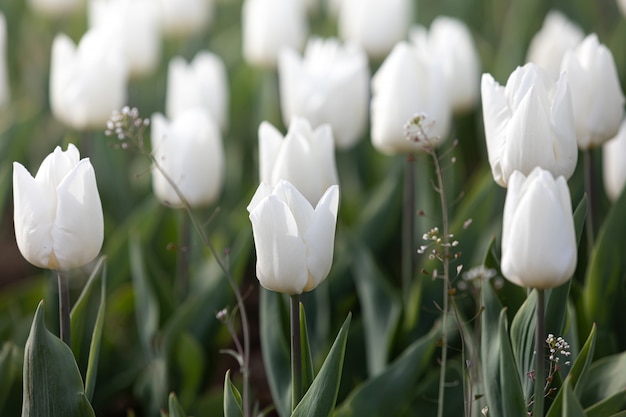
(232, 398)
(512, 395)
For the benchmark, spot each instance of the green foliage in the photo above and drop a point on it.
(232, 398)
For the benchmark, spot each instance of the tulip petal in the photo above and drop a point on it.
(565, 145)
(270, 141)
(607, 107)
(299, 206)
(262, 191)
(496, 116)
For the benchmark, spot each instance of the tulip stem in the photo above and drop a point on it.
(64, 309)
(591, 195)
(539, 350)
(296, 351)
(184, 248)
(408, 228)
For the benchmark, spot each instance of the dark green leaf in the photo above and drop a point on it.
(571, 405)
(308, 374)
(606, 377)
(512, 395)
(176, 410)
(608, 406)
(8, 370)
(190, 365)
(232, 398)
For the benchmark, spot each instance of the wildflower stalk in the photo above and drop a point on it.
(64, 308)
(296, 351)
(408, 228)
(539, 344)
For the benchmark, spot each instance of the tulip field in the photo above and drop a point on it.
(324, 208)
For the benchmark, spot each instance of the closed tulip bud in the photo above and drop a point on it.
(538, 238)
(201, 83)
(529, 123)
(556, 36)
(614, 168)
(597, 97)
(294, 242)
(58, 214)
(408, 82)
(56, 8)
(189, 150)
(304, 157)
(450, 43)
(377, 25)
(329, 84)
(269, 26)
(183, 18)
(86, 82)
(4, 74)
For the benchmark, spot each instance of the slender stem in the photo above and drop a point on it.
(64, 308)
(408, 228)
(539, 349)
(591, 195)
(296, 351)
(182, 266)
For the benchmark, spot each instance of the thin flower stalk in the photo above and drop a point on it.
(539, 349)
(64, 308)
(296, 351)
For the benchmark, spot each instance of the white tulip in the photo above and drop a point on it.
(189, 150)
(304, 157)
(294, 242)
(201, 83)
(529, 123)
(614, 166)
(597, 97)
(538, 237)
(57, 214)
(56, 8)
(622, 6)
(4, 73)
(329, 84)
(183, 18)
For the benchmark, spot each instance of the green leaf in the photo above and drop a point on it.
(607, 406)
(523, 341)
(580, 214)
(232, 398)
(512, 395)
(52, 382)
(391, 390)
(308, 374)
(320, 399)
(606, 377)
(571, 405)
(8, 370)
(175, 409)
(190, 366)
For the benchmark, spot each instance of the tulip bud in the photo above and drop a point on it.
(56, 8)
(329, 84)
(408, 82)
(548, 46)
(538, 238)
(86, 82)
(58, 214)
(614, 168)
(4, 73)
(183, 18)
(294, 242)
(597, 97)
(270, 25)
(201, 83)
(528, 124)
(189, 150)
(304, 157)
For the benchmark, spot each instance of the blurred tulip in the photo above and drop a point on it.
(614, 168)
(450, 43)
(86, 82)
(294, 242)
(201, 83)
(408, 82)
(133, 27)
(56, 8)
(528, 124)
(304, 157)
(58, 214)
(330, 84)
(622, 6)
(4, 73)
(269, 26)
(183, 18)
(189, 150)
(538, 238)
(557, 35)
(377, 25)
(597, 97)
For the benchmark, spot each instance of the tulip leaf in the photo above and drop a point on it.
(608, 406)
(308, 374)
(190, 366)
(606, 377)
(571, 405)
(232, 398)
(9, 370)
(512, 394)
(320, 399)
(175, 409)
(52, 383)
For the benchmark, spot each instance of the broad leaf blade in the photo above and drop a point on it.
(512, 395)
(176, 410)
(308, 374)
(232, 398)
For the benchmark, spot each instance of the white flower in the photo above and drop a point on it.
(57, 214)
(183, 18)
(4, 73)
(614, 163)
(329, 84)
(56, 8)
(294, 242)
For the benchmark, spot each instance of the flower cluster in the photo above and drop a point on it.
(126, 125)
(558, 348)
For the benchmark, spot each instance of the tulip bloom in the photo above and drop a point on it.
(4, 74)
(183, 18)
(201, 83)
(87, 82)
(58, 214)
(597, 97)
(329, 84)
(189, 150)
(56, 8)
(294, 242)
(614, 168)
(304, 157)
(538, 238)
(529, 123)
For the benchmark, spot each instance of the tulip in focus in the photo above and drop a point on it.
(4, 73)
(189, 150)
(56, 8)
(86, 82)
(329, 84)
(183, 18)
(538, 238)
(269, 26)
(614, 166)
(304, 157)
(597, 97)
(294, 242)
(529, 123)
(201, 83)
(557, 36)
(57, 214)
(408, 82)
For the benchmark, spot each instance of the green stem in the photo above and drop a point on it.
(296, 351)
(182, 266)
(539, 350)
(408, 228)
(64, 309)
(589, 167)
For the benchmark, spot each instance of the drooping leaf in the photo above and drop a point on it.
(232, 398)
